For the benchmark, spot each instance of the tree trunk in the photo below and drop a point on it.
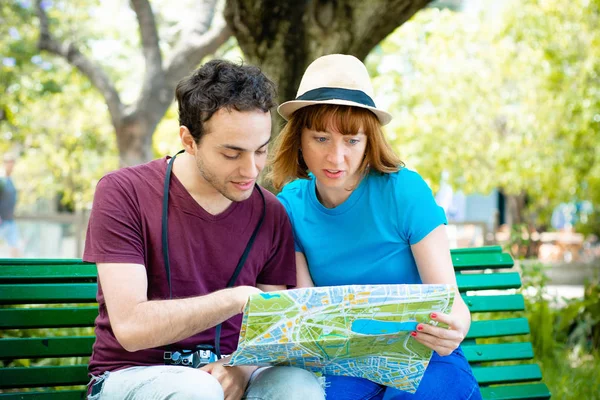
(134, 140)
(283, 37)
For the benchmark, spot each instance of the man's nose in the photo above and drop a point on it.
(250, 167)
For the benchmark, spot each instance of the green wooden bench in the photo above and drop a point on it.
(61, 293)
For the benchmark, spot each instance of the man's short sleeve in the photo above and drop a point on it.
(114, 233)
(280, 269)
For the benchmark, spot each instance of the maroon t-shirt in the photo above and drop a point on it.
(204, 250)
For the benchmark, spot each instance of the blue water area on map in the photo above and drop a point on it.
(373, 327)
(269, 296)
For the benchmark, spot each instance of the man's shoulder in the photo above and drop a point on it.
(129, 176)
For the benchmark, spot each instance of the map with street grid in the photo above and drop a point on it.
(358, 330)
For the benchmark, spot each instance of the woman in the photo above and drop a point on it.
(360, 217)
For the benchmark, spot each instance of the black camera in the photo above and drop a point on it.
(190, 358)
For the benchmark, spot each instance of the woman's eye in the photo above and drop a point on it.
(321, 139)
(353, 141)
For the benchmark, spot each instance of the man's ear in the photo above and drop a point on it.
(187, 140)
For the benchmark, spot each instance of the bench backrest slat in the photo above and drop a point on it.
(508, 280)
(64, 375)
(499, 327)
(78, 346)
(508, 373)
(494, 303)
(536, 391)
(31, 293)
(471, 261)
(29, 318)
(498, 352)
(48, 273)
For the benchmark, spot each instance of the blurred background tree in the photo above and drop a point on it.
(504, 96)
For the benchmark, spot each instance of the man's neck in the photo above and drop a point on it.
(210, 199)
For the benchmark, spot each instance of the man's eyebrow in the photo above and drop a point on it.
(237, 148)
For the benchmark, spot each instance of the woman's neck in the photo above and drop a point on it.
(331, 198)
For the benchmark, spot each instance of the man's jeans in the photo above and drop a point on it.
(448, 378)
(174, 382)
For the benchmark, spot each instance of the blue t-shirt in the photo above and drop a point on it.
(366, 239)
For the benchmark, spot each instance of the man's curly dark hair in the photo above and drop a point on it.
(218, 84)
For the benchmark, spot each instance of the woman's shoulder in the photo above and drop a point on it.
(403, 184)
(295, 188)
(404, 177)
(295, 192)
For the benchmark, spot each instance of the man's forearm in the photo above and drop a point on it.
(161, 322)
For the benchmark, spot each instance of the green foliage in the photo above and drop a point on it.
(579, 321)
(564, 339)
(569, 363)
(507, 100)
(539, 312)
(54, 119)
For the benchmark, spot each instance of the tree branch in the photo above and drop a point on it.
(150, 42)
(196, 43)
(374, 22)
(70, 52)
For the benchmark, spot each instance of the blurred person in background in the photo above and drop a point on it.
(9, 232)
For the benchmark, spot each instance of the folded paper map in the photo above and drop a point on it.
(358, 330)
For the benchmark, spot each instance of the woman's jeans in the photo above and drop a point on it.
(448, 377)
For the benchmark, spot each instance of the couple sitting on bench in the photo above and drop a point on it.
(181, 242)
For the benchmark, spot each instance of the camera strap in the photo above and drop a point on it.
(165, 243)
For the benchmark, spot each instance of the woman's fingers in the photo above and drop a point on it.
(443, 340)
(443, 347)
(441, 333)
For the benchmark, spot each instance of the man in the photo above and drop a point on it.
(9, 231)
(157, 302)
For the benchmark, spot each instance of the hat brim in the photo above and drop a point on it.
(289, 107)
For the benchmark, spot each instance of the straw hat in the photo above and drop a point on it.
(335, 79)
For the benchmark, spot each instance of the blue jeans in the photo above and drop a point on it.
(448, 377)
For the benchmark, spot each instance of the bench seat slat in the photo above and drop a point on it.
(507, 374)
(48, 293)
(510, 302)
(28, 318)
(46, 395)
(498, 352)
(64, 375)
(496, 328)
(69, 346)
(509, 280)
(535, 391)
